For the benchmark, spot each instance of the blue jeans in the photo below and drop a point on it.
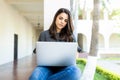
(67, 73)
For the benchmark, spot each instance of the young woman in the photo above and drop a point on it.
(61, 29)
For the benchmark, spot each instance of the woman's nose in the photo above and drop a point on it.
(62, 21)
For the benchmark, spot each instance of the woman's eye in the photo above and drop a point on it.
(60, 18)
(66, 20)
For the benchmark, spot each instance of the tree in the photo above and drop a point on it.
(89, 71)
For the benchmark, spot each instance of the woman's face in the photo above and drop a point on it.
(61, 21)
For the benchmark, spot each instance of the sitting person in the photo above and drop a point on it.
(61, 30)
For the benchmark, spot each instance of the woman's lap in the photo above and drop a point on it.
(44, 73)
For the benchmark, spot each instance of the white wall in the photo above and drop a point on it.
(50, 8)
(11, 22)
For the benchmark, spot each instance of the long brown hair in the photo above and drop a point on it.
(67, 32)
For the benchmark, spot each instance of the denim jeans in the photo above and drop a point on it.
(44, 73)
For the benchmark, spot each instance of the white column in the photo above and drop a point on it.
(74, 12)
(106, 42)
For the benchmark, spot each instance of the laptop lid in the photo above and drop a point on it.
(56, 53)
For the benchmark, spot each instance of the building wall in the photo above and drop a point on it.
(108, 36)
(11, 22)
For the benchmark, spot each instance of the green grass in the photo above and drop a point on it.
(81, 66)
(110, 58)
(97, 76)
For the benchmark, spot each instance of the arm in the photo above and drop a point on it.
(42, 36)
(78, 48)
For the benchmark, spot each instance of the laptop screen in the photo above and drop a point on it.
(56, 53)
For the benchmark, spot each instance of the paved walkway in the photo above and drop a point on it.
(113, 66)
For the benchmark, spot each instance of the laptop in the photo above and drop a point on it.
(56, 53)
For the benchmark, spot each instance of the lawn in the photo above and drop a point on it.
(110, 58)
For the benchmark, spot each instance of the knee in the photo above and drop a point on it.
(75, 71)
(33, 77)
(39, 72)
(73, 68)
(35, 74)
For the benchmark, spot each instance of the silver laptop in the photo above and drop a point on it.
(56, 53)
